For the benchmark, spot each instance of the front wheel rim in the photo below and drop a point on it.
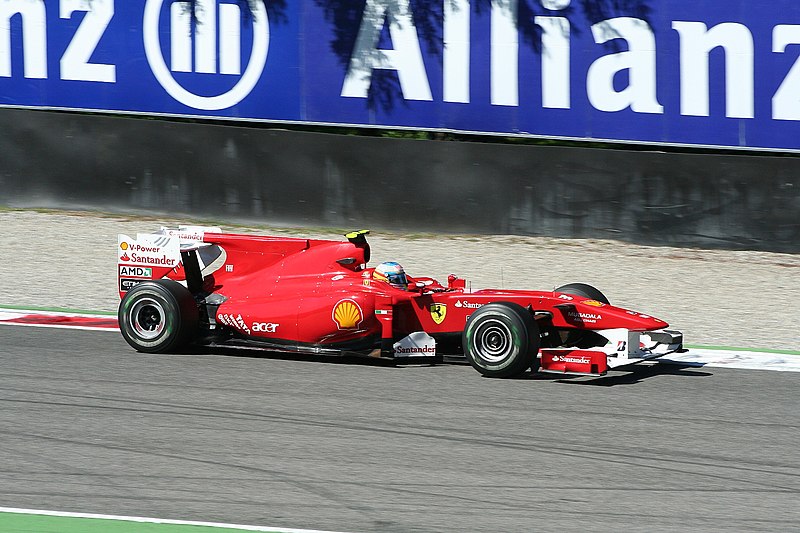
(146, 318)
(493, 341)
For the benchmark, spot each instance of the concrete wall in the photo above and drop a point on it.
(125, 164)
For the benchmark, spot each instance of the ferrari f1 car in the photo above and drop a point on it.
(196, 285)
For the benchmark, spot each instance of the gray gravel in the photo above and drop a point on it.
(730, 298)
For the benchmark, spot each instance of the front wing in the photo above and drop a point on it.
(624, 347)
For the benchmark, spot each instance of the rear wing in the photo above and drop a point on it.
(161, 255)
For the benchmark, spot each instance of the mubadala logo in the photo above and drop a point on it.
(209, 16)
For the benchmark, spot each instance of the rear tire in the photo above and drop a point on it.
(158, 316)
(501, 340)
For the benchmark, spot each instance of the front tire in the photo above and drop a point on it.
(158, 316)
(585, 290)
(577, 337)
(501, 340)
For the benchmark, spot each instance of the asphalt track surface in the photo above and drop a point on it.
(89, 425)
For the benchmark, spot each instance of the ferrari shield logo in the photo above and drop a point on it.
(438, 312)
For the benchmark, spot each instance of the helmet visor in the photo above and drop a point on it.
(397, 278)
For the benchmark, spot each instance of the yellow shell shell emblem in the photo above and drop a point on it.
(347, 314)
(593, 303)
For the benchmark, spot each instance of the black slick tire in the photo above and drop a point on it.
(501, 340)
(159, 316)
(575, 337)
(585, 290)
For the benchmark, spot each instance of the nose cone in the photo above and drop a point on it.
(634, 320)
(647, 322)
(597, 315)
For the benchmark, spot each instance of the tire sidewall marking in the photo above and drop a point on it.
(516, 339)
(167, 303)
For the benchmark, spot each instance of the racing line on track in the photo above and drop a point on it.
(740, 358)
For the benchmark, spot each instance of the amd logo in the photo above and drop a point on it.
(135, 272)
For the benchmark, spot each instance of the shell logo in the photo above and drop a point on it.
(347, 314)
(124, 245)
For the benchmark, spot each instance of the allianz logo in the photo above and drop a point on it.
(226, 17)
(212, 45)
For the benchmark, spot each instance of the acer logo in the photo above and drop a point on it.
(264, 327)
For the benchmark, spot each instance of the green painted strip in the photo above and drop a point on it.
(32, 521)
(57, 310)
(22, 523)
(734, 349)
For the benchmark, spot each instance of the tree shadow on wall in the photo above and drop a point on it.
(276, 10)
(348, 16)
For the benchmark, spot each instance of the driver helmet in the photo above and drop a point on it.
(392, 273)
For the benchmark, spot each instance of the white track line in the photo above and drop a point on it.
(158, 521)
(741, 359)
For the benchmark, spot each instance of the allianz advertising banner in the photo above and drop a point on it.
(701, 72)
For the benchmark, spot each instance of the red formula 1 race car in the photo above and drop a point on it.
(198, 285)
